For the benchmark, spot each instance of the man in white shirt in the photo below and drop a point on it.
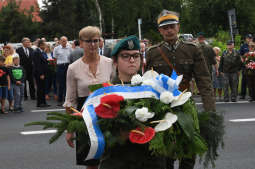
(62, 54)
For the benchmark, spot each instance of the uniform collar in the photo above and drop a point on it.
(173, 47)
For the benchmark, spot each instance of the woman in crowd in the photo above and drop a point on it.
(218, 80)
(250, 71)
(92, 68)
(51, 75)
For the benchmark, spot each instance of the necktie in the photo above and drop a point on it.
(26, 52)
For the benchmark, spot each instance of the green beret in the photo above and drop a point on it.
(129, 43)
(200, 34)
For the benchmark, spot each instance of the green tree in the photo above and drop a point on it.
(14, 24)
(64, 17)
(119, 17)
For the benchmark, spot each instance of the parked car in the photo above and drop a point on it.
(186, 37)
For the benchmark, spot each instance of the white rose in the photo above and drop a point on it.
(136, 79)
(167, 122)
(166, 97)
(143, 114)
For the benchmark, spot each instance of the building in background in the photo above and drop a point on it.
(25, 6)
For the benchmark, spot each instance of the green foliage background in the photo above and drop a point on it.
(119, 18)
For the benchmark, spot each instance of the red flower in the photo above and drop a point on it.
(109, 106)
(106, 84)
(52, 61)
(141, 137)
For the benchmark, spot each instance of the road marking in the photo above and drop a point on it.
(51, 110)
(48, 110)
(238, 102)
(38, 132)
(242, 120)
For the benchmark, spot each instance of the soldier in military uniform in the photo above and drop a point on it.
(230, 65)
(209, 54)
(187, 59)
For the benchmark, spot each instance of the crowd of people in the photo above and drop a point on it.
(38, 67)
(226, 70)
(51, 69)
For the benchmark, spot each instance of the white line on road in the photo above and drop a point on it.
(242, 120)
(38, 132)
(239, 102)
(48, 110)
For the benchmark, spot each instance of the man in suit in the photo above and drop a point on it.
(77, 52)
(40, 70)
(103, 50)
(26, 61)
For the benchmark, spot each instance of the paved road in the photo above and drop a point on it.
(19, 151)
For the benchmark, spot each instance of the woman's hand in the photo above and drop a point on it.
(69, 140)
(68, 110)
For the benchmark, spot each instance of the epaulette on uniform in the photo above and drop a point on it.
(154, 46)
(190, 43)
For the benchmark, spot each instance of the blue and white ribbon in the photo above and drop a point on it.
(97, 142)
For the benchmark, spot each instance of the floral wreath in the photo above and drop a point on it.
(166, 119)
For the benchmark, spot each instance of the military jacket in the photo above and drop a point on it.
(187, 59)
(230, 62)
(209, 55)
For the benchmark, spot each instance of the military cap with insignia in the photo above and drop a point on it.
(167, 17)
(230, 42)
(128, 43)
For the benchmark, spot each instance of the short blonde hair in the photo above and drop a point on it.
(9, 46)
(89, 32)
(217, 49)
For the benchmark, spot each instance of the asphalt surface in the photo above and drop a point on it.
(19, 151)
